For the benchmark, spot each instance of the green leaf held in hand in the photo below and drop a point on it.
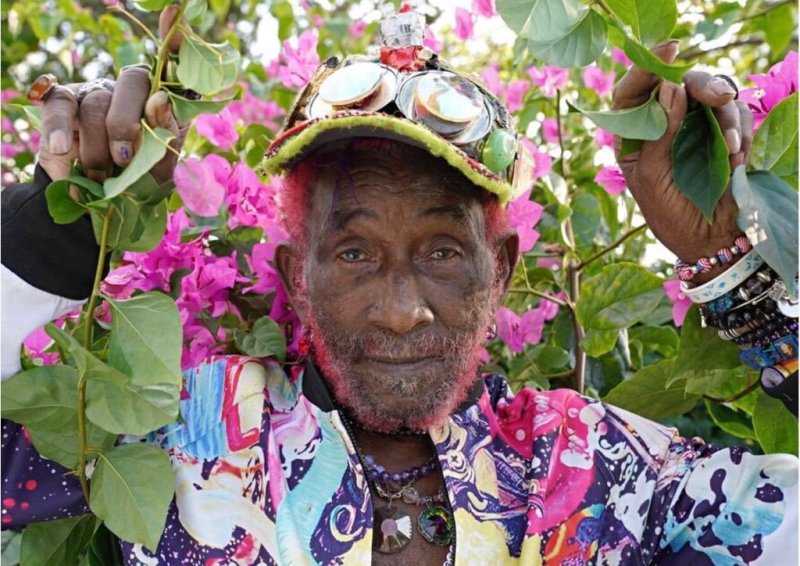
(186, 110)
(645, 122)
(132, 487)
(775, 143)
(618, 297)
(650, 21)
(62, 207)
(768, 215)
(701, 169)
(207, 68)
(45, 401)
(264, 340)
(648, 394)
(151, 151)
(643, 58)
(61, 542)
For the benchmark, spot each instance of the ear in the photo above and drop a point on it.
(507, 250)
(287, 264)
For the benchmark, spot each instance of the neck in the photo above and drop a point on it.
(394, 451)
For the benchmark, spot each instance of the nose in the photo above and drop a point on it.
(400, 306)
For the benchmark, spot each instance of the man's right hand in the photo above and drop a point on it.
(104, 129)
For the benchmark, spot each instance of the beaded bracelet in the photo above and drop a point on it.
(688, 271)
(783, 349)
(724, 282)
(753, 286)
(766, 338)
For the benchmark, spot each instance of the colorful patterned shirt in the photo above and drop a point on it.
(265, 473)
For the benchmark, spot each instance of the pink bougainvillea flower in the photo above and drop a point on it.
(551, 263)
(611, 179)
(195, 182)
(603, 138)
(543, 163)
(356, 29)
(429, 40)
(523, 214)
(464, 24)
(299, 60)
(550, 130)
(491, 76)
(549, 78)
(484, 8)
(516, 331)
(778, 83)
(219, 129)
(680, 302)
(515, 94)
(601, 82)
(619, 56)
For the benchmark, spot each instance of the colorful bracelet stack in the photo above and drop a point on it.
(688, 271)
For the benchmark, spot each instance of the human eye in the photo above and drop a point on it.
(352, 255)
(443, 254)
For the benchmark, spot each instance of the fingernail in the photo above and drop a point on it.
(122, 151)
(733, 139)
(58, 144)
(721, 87)
(667, 95)
(98, 175)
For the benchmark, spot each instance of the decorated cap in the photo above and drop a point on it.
(407, 93)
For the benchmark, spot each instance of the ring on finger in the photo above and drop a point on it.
(96, 84)
(42, 88)
(731, 82)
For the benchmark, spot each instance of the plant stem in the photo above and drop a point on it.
(746, 391)
(135, 20)
(545, 296)
(605, 7)
(619, 241)
(88, 320)
(163, 48)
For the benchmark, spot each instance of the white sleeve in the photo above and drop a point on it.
(24, 308)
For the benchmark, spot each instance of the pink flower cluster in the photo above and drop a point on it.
(513, 93)
(549, 78)
(298, 60)
(778, 83)
(14, 141)
(518, 330)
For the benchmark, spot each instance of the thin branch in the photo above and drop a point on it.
(746, 391)
(135, 21)
(574, 278)
(544, 296)
(695, 52)
(619, 241)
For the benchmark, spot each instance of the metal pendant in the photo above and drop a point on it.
(392, 530)
(436, 525)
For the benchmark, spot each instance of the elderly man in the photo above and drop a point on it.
(388, 447)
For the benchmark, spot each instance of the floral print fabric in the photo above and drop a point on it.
(265, 473)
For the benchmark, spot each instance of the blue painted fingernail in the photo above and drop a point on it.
(123, 151)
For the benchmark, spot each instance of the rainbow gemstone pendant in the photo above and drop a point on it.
(395, 532)
(436, 525)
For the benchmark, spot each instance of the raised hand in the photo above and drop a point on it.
(674, 220)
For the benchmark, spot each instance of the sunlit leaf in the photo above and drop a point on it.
(701, 169)
(775, 143)
(645, 122)
(582, 45)
(650, 21)
(643, 58)
(137, 478)
(207, 68)
(151, 151)
(768, 215)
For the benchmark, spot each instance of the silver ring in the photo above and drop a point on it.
(93, 85)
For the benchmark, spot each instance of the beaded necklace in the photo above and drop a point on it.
(394, 527)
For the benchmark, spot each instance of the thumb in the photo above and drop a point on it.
(158, 112)
(673, 99)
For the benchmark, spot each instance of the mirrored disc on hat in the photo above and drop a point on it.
(449, 97)
(351, 83)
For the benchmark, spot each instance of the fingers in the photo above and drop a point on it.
(95, 155)
(708, 89)
(58, 121)
(730, 123)
(125, 112)
(746, 121)
(165, 21)
(158, 113)
(635, 86)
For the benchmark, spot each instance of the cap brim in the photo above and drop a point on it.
(307, 136)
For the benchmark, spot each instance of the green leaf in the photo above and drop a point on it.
(549, 359)
(151, 151)
(733, 422)
(45, 400)
(152, 5)
(714, 382)
(186, 110)
(775, 426)
(195, 11)
(62, 207)
(645, 122)
(618, 297)
(132, 487)
(264, 340)
(541, 20)
(92, 186)
(701, 169)
(648, 394)
(104, 548)
(59, 542)
(768, 215)
(582, 45)
(702, 349)
(32, 113)
(775, 143)
(650, 21)
(113, 400)
(643, 58)
(11, 542)
(207, 68)
(133, 226)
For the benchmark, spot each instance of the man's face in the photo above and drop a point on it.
(399, 285)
